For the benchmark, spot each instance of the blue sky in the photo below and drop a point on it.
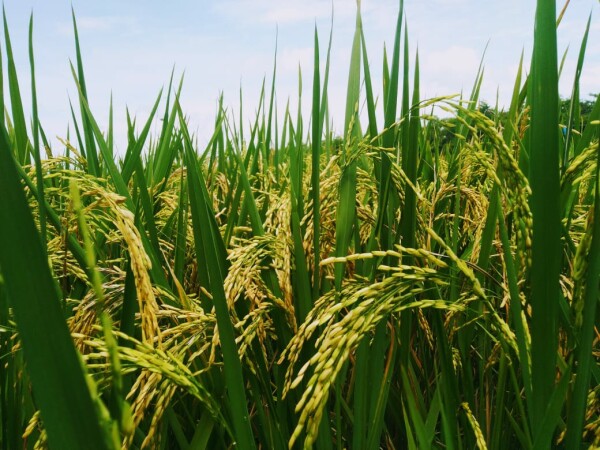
(130, 46)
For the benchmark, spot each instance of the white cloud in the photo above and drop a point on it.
(289, 59)
(454, 61)
(99, 24)
(102, 23)
(284, 11)
(589, 80)
(233, 40)
(451, 2)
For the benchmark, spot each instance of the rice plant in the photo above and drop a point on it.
(417, 283)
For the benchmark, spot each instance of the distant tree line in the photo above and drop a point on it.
(444, 130)
(585, 108)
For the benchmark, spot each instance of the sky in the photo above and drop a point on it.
(130, 48)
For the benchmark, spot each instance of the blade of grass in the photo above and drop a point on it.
(516, 309)
(381, 395)
(346, 213)
(110, 137)
(54, 367)
(213, 253)
(545, 209)
(585, 357)
(36, 143)
(202, 433)
(369, 367)
(408, 219)
(77, 134)
(136, 150)
(574, 106)
(166, 152)
(88, 134)
(315, 173)
(390, 103)
(271, 98)
(552, 414)
(16, 103)
(368, 88)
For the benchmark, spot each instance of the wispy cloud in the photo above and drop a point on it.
(589, 80)
(100, 24)
(283, 11)
(454, 61)
(289, 59)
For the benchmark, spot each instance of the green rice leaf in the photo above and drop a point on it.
(55, 369)
(545, 208)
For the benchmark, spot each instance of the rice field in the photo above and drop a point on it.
(411, 283)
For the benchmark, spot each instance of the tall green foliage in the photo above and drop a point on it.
(432, 283)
